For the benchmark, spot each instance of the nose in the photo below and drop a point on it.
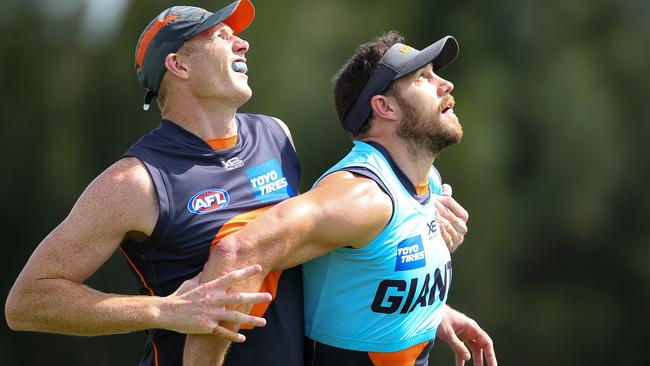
(240, 46)
(444, 87)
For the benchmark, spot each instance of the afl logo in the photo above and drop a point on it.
(207, 201)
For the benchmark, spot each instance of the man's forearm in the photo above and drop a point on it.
(62, 306)
(228, 254)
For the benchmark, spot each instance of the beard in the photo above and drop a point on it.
(427, 131)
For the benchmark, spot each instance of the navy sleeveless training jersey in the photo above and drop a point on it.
(203, 195)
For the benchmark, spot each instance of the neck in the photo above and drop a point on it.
(416, 164)
(206, 119)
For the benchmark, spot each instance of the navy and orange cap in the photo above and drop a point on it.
(173, 27)
(399, 61)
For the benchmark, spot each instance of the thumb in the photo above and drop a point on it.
(446, 190)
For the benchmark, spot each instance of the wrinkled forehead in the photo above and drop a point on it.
(216, 29)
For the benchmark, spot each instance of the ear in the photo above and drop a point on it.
(384, 107)
(175, 64)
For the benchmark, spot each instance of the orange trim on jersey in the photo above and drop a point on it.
(421, 190)
(148, 36)
(405, 357)
(155, 352)
(136, 271)
(270, 283)
(222, 143)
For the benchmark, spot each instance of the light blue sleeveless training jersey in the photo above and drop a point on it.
(388, 295)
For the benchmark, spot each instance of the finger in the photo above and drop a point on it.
(485, 342)
(459, 225)
(459, 360)
(446, 235)
(490, 357)
(450, 236)
(231, 278)
(477, 353)
(228, 334)
(456, 228)
(244, 298)
(446, 190)
(454, 206)
(241, 318)
(458, 347)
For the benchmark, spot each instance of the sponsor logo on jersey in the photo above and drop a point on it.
(407, 295)
(232, 163)
(410, 254)
(433, 228)
(207, 201)
(268, 181)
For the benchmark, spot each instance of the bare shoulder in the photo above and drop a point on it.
(356, 188)
(126, 194)
(126, 177)
(359, 204)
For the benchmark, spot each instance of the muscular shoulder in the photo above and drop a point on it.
(363, 206)
(126, 179)
(126, 195)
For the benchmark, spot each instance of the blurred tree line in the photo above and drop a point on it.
(553, 96)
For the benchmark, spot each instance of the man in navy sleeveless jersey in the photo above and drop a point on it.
(204, 172)
(376, 293)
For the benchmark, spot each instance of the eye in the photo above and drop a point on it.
(223, 36)
(423, 77)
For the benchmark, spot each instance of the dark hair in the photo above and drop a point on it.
(354, 74)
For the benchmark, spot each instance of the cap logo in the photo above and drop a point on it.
(404, 49)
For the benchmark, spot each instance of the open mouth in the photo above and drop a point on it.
(448, 106)
(240, 66)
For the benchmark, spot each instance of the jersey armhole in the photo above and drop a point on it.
(436, 179)
(164, 204)
(285, 129)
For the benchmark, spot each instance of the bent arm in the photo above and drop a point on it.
(342, 210)
(49, 296)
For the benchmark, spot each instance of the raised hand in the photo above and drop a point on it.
(452, 218)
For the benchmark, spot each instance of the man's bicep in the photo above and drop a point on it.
(342, 210)
(117, 202)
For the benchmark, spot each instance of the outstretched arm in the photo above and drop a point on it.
(49, 295)
(293, 232)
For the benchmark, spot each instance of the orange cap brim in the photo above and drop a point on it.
(242, 17)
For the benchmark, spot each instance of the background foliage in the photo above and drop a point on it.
(553, 168)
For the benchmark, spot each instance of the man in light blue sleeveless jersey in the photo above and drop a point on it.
(376, 293)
